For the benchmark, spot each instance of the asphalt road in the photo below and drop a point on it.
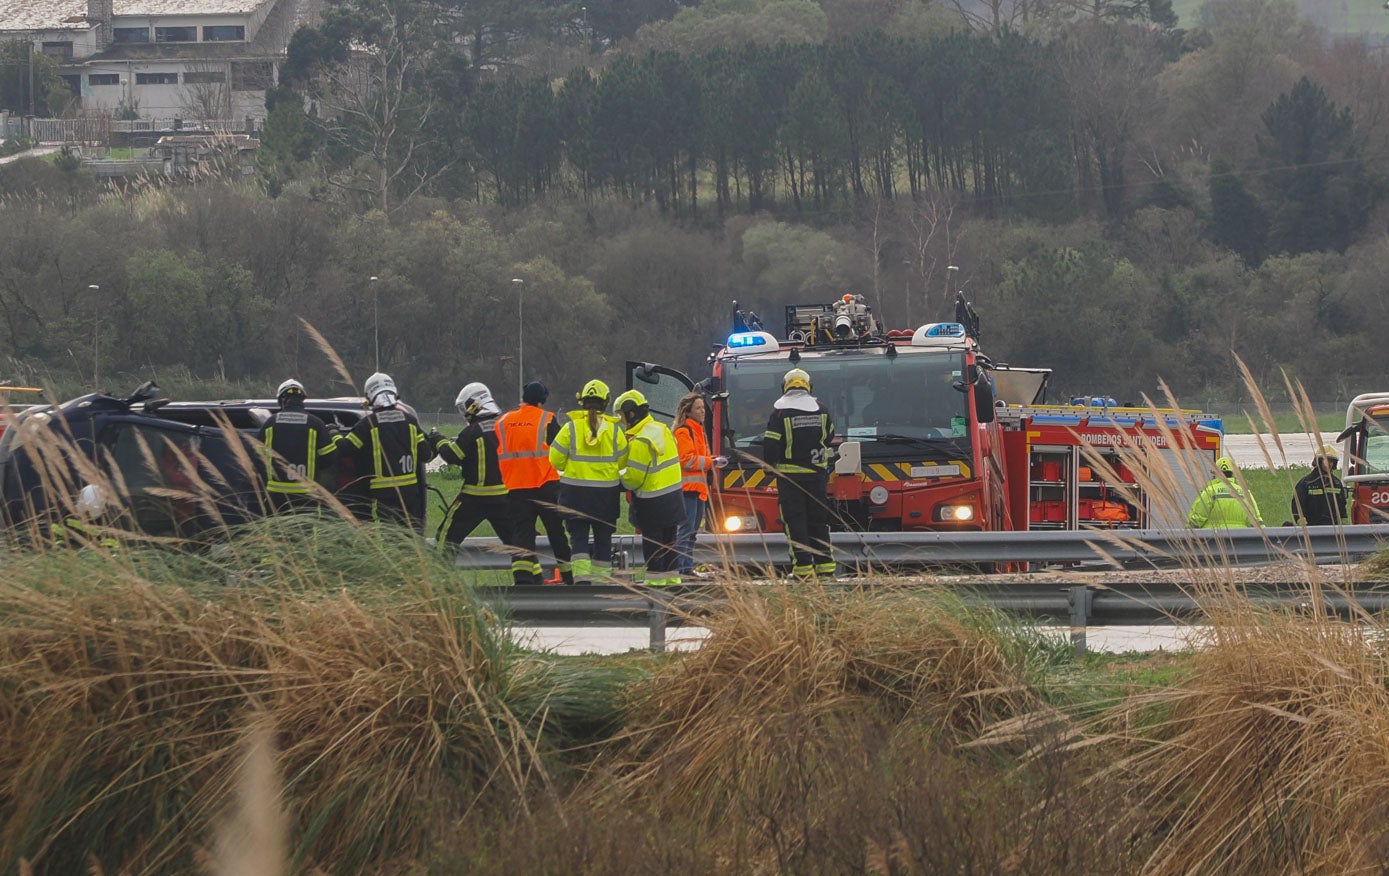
(1259, 451)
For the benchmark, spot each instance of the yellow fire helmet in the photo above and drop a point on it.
(796, 378)
(595, 389)
(630, 398)
(1226, 465)
(1327, 451)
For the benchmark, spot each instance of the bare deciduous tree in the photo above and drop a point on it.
(206, 93)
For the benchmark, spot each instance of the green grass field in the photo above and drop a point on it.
(1358, 16)
(1237, 421)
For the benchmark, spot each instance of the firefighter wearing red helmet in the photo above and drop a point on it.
(797, 445)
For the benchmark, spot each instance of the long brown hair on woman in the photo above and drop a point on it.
(594, 406)
(684, 406)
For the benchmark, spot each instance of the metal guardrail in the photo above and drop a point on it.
(1079, 605)
(1115, 548)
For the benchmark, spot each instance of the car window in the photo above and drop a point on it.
(159, 468)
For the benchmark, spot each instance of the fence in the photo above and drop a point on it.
(1081, 606)
(1112, 548)
(99, 129)
(83, 130)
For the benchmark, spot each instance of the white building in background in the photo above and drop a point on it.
(162, 59)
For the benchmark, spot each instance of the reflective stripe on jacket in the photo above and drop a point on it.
(653, 460)
(301, 441)
(695, 461)
(523, 445)
(798, 435)
(397, 452)
(475, 454)
(585, 459)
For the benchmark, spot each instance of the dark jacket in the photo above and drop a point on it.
(388, 450)
(798, 435)
(1319, 498)
(475, 453)
(294, 439)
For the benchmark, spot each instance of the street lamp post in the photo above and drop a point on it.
(96, 336)
(376, 323)
(520, 335)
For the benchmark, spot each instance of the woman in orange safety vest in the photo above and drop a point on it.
(695, 465)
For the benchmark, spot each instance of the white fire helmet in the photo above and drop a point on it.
(380, 391)
(289, 386)
(475, 399)
(91, 501)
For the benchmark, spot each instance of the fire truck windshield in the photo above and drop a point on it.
(880, 401)
(1376, 448)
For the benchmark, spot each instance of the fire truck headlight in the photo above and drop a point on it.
(736, 523)
(955, 513)
(878, 495)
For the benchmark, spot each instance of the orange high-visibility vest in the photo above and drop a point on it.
(695, 461)
(522, 451)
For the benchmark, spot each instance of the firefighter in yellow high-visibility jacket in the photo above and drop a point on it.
(589, 452)
(653, 476)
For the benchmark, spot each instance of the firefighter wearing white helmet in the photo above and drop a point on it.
(589, 452)
(483, 495)
(298, 448)
(1319, 499)
(1224, 504)
(797, 445)
(653, 477)
(386, 452)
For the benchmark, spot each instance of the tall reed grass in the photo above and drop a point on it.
(395, 700)
(311, 694)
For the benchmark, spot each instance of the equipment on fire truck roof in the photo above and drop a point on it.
(848, 320)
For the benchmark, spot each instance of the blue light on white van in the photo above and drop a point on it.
(761, 342)
(945, 330)
(940, 334)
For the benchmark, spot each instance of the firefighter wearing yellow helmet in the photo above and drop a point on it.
(1319, 499)
(654, 479)
(797, 445)
(1224, 504)
(589, 452)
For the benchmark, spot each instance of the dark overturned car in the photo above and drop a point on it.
(143, 463)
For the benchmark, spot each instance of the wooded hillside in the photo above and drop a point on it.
(1128, 201)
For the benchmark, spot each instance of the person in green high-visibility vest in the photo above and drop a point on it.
(1224, 504)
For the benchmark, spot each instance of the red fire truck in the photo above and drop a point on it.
(1366, 439)
(933, 435)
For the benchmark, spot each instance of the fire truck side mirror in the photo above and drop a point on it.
(983, 396)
